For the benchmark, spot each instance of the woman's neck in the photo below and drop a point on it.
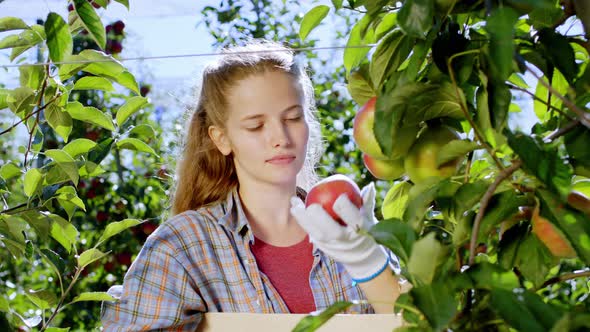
(267, 210)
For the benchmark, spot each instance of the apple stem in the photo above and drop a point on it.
(563, 277)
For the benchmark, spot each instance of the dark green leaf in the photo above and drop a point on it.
(560, 52)
(311, 323)
(91, 22)
(421, 197)
(501, 207)
(43, 299)
(360, 86)
(572, 321)
(523, 310)
(576, 144)
(98, 153)
(59, 39)
(574, 224)
(395, 235)
(56, 262)
(500, 26)
(499, 98)
(416, 17)
(312, 19)
(542, 161)
(436, 302)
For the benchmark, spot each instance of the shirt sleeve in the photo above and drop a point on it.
(157, 295)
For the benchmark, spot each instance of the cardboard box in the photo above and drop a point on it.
(221, 322)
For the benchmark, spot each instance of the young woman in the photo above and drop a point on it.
(241, 239)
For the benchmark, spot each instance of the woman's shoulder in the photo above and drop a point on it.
(188, 227)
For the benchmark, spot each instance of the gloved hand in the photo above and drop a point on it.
(362, 257)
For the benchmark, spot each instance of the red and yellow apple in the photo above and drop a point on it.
(421, 161)
(329, 189)
(384, 169)
(551, 237)
(362, 130)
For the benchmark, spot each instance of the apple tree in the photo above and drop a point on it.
(80, 168)
(490, 220)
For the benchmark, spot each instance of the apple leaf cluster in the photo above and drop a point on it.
(501, 240)
(80, 178)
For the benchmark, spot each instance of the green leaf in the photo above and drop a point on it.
(89, 256)
(4, 305)
(388, 23)
(143, 131)
(33, 180)
(574, 224)
(57, 329)
(65, 164)
(542, 161)
(12, 23)
(424, 258)
(79, 146)
(500, 26)
(420, 198)
(27, 38)
(43, 299)
(389, 55)
(127, 80)
(523, 310)
(124, 3)
(488, 276)
(74, 64)
(39, 221)
(559, 83)
(312, 322)
(454, 149)
(93, 83)
(59, 120)
(90, 114)
(69, 200)
(436, 302)
(395, 235)
(135, 145)
(9, 170)
(12, 230)
(59, 156)
(99, 152)
(55, 261)
(63, 232)
(576, 144)
(21, 100)
(360, 86)
(416, 17)
(312, 19)
(59, 39)
(572, 321)
(117, 227)
(101, 64)
(560, 52)
(3, 98)
(396, 200)
(501, 207)
(93, 296)
(337, 4)
(37, 37)
(91, 22)
(131, 106)
(353, 54)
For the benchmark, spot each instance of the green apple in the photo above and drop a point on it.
(384, 169)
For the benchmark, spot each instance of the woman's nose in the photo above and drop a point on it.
(280, 135)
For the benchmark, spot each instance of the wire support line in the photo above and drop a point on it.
(157, 57)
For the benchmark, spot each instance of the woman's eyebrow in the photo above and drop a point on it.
(259, 116)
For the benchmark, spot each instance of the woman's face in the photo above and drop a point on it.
(266, 130)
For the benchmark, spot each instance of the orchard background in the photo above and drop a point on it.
(501, 242)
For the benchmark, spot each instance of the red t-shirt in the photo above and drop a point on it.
(288, 269)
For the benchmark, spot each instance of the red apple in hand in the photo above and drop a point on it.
(329, 189)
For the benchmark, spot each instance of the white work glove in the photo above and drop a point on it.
(362, 257)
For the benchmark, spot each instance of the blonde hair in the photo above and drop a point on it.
(203, 174)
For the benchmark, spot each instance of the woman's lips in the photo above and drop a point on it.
(281, 160)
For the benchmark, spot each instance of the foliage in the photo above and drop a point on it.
(81, 185)
(466, 242)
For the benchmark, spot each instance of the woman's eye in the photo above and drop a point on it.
(254, 128)
(295, 118)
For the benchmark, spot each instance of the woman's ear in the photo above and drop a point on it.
(220, 140)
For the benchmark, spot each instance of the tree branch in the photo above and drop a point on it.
(514, 87)
(564, 277)
(483, 204)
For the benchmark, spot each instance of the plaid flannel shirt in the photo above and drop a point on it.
(200, 261)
